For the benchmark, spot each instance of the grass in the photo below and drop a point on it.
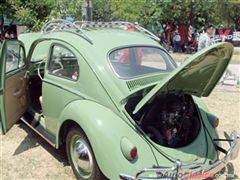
(237, 50)
(235, 58)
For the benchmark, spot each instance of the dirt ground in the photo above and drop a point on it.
(25, 155)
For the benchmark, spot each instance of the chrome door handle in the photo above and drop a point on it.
(17, 92)
(26, 75)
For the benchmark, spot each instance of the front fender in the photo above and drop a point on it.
(105, 129)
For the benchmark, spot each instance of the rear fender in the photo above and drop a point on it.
(104, 130)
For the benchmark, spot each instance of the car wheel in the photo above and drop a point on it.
(81, 157)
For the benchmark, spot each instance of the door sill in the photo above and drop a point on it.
(35, 125)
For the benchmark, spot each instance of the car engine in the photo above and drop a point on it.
(170, 120)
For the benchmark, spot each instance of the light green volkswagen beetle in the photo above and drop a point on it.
(116, 100)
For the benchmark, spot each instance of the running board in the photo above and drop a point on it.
(37, 127)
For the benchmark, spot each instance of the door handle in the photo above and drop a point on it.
(26, 75)
(17, 92)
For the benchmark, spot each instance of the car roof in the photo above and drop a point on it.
(95, 52)
(102, 40)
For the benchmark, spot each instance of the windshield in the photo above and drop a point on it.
(137, 61)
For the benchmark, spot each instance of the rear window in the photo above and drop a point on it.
(137, 61)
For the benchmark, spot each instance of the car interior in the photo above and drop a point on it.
(62, 63)
(36, 74)
(35, 92)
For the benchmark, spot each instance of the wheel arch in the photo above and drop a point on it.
(104, 130)
(63, 130)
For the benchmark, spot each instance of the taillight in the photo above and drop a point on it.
(133, 153)
(213, 119)
(216, 122)
(128, 149)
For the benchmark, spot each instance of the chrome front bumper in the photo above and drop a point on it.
(197, 171)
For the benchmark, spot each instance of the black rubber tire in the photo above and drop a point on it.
(96, 174)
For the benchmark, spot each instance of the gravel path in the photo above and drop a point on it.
(225, 103)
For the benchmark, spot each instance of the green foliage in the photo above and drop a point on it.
(127, 10)
(147, 12)
(195, 12)
(28, 12)
(5, 7)
(33, 13)
(65, 8)
(228, 12)
(150, 12)
(101, 10)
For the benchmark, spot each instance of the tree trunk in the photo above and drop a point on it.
(2, 28)
(237, 24)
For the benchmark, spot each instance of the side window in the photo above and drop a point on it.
(130, 62)
(63, 63)
(15, 57)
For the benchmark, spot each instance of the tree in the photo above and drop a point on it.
(126, 10)
(228, 12)
(195, 12)
(65, 8)
(33, 13)
(179, 12)
(5, 10)
(28, 12)
(147, 12)
(102, 10)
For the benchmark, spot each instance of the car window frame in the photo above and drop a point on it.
(34, 49)
(17, 69)
(174, 64)
(49, 60)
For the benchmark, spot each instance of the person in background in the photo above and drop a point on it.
(11, 35)
(205, 38)
(7, 35)
(188, 45)
(176, 41)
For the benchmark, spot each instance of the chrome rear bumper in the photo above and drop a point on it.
(180, 171)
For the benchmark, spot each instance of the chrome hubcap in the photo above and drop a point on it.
(81, 156)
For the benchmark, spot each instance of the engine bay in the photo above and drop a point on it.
(170, 120)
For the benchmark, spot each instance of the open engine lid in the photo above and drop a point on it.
(198, 75)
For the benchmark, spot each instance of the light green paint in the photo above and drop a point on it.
(93, 102)
(196, 76)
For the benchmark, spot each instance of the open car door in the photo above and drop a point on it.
(13, 84)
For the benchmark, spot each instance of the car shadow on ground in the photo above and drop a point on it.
(33, 140)
(230, 172)
(227, 172)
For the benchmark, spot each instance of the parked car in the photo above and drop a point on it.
(116, 100)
